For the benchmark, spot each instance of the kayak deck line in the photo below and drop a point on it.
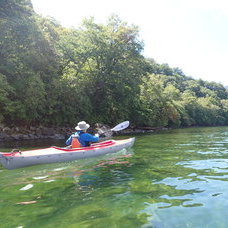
(57, 154)
(56, 150)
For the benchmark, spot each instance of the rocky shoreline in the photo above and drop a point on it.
(41, 132)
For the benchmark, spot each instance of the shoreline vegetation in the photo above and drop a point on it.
(52, 76)
(41, 132)
(62, 133)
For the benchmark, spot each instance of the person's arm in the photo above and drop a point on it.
(90, 138)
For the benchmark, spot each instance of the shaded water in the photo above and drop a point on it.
(176, 178)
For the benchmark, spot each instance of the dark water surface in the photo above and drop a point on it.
(175, 178)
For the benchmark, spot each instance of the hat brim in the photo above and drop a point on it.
(82, 129)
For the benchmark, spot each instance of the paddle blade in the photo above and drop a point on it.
(121, 126)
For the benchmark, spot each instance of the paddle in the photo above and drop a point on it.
(119, 127)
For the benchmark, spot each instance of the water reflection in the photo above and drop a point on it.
(194, 191)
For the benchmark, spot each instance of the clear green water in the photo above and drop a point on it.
(176, 178)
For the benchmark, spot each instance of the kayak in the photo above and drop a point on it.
(55, 154)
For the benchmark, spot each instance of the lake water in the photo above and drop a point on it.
(175, 178)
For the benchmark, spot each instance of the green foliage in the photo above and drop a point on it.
(224, 110)
(57, 76)
(107, 59)
(27, 60)
(158, 106)
(5, 92)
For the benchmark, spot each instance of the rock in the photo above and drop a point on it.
(32, 128)
(61, 133)
(3, 136)
(103, 130)
(31, 136)
(26, 137)
(17, 136)
(6, 130)
(15, 129)
(59, 136)
(47, 131)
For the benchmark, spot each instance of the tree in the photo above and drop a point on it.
(5, 93)
(156, 102)
(107, 58)
(26, 59)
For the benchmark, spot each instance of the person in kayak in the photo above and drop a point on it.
(81, 138)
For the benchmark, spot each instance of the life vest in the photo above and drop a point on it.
(75, 143)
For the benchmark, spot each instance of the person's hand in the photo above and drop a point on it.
(97, 135)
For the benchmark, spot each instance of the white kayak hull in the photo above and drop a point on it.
(55, 154)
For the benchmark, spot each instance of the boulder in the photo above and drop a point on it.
(103, 130)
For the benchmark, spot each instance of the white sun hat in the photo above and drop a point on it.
(82, 126)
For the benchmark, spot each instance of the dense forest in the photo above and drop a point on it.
(52, 75)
